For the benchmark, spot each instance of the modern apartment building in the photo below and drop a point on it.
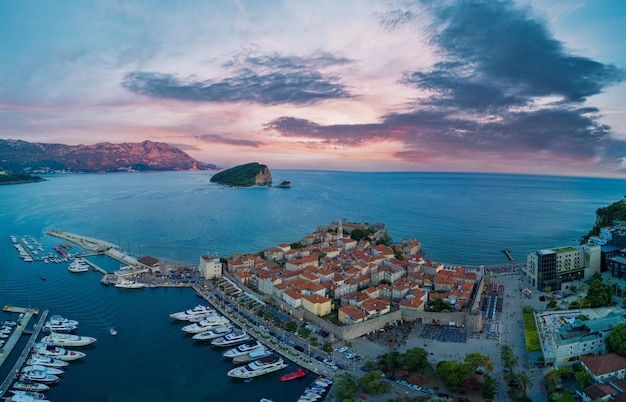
(549, 269)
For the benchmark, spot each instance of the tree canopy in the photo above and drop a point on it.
(617, 340)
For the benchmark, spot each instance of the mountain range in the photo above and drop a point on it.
(25, 157)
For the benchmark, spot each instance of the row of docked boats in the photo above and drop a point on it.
(316, 390)
(208, 325)
(48, 360)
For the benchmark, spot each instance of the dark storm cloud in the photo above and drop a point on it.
(496, 62)
(220, 139)
(268, 80)
(501, 55)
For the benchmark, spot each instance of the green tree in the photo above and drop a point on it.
(413, 360)
(374, 382)
(452, 373)
(304, 332)
(345, 387)
(488, 389)
(327, 347)
(392, 360)
(551, 379)
(291, 326)
(617, 340)
(598, 294)
(524, 381)
(476, 360)
(583, 378)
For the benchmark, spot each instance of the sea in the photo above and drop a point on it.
(459, 218)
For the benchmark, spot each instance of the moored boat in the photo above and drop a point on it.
(26, 398)
(244, 348)
(42, 369)
(294, 375)
(208, 323)
(257, 368)
(252, 356)
(213, 333)
(39, 376)
(58, 339)
(30, 386)
(45, 361)
(57, 352)
(197, 311)
(128, 284)
(38, 396)
(236, 337)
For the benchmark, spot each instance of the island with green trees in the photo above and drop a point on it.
(18, 178)
(248, 175)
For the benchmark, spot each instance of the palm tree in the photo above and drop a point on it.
(552, 379)
(524, 381)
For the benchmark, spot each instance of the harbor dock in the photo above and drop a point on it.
(508, 254)
(12, 341)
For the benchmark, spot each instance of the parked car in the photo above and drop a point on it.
(319, 358)
(299, 348)
(342, 349)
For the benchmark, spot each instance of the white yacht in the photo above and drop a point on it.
(39, 376)
(57, 352)
(58, 323)
(58, 339)
(213, 333)
(128, 284)
(45, 361)
(78, 266)
(27, 398)
(236, 337)
(244, 348)
(252, 356)
(198, 311)
(37, 396)
(42, 369)
(259, 367)
(31, 386)
(208, 323)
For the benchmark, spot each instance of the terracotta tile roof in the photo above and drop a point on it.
(604, 364)
(353, 312)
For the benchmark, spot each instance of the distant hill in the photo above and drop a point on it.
(26, 157)
(248, 175)
(17, 178)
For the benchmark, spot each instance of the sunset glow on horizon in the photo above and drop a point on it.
(527, 86)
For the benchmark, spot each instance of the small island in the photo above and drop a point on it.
(248, 175)
(18, 178)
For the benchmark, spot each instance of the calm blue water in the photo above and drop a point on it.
(178, 216)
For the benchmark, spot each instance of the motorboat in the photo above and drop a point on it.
(197, 311)
(259, 367)
(252, 356)
(39, 376)
(206, 324)
(78, 266)
(244, 348)
(43, 369)
(31, 386)
(294, 375)
(236, 337)
(58, 339)
(128, 284)
(45, 361)
(112, 331)
(58, 323)
(37, 396)
(26, 398)
(213, 333)
(57, 352)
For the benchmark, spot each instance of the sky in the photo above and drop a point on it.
(526, 86)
